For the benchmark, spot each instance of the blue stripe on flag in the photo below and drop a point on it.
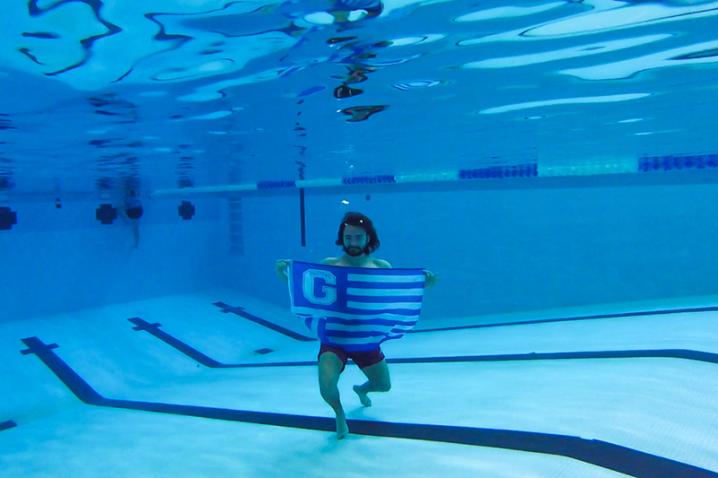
(360, 334)
(364, 312)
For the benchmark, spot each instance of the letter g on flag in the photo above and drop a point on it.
(319, 287)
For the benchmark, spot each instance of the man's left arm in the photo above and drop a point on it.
(431, 278)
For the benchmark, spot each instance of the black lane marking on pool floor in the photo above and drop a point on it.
(7, 425)
(193, 353)
(243, 313)
(196, 355)
(228, 309)
(570, 319)
(595, 452)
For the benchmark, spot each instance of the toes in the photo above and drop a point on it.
(363, 397)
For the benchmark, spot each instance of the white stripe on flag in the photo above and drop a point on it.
(383, 329)
(384, 278)
(373, 319)
(384, 292)
(383, 306)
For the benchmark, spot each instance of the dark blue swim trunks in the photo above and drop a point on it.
(362, 359)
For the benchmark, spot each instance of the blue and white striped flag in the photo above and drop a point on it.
(356, 308)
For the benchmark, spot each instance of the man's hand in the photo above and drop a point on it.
(431, 278)
(281, 267)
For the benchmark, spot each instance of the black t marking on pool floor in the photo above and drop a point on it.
(227, 309)
(7, 425)
(142, 325)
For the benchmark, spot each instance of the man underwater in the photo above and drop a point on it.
(359, 240)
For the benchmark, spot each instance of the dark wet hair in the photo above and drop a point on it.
(360, 220)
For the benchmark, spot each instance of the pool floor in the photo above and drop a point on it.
(219, 383)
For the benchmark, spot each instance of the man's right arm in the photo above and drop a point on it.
(281, 267)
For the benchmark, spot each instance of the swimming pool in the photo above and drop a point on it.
(554, 164)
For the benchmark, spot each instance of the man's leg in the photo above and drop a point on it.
(379, 381)
(330, 367)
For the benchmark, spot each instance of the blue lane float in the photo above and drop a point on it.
(6, 425)
(595, 452)
(501, 172)
(573, 318)
(376, 179)
(529, 169)
(203, 359)
(677, 162)
(275, 184)
(228, 309)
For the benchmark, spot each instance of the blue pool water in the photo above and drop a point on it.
(553, 163)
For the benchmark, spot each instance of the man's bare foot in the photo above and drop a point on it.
(363, 397)
(342, 427)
